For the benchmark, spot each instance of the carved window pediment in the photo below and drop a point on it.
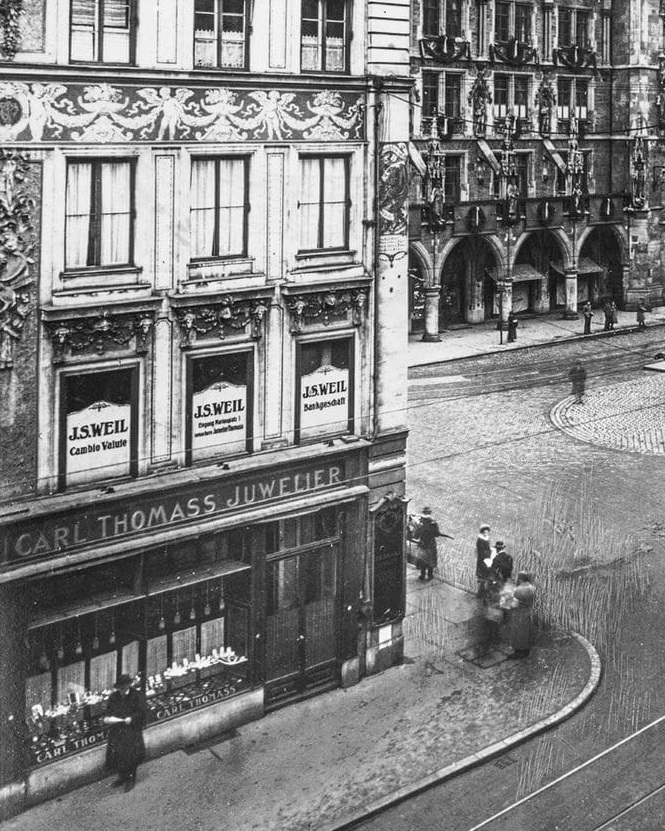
(218, 319)
(100, 334)
(326, 305)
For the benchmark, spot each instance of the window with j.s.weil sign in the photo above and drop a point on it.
(98, 426)
(219, 412)
(325, 389)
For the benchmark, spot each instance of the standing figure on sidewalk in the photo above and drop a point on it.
(588, 314)
(615, 315)
(483, 552)
(641, 310)
(607, 311)
(493, 613)
(521, 616)
(427, 532)
(577, 377)
(502, 564)
(125, 717)
(512, 326)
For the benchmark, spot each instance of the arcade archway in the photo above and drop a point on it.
(467, 288)
(600, 268)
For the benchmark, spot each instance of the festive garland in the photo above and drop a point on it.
(10, 29)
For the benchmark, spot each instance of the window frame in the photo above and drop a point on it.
(99, 29)
(190, 359)
(322, 157)
(217, 158)
(506, 20)
(452, 191)
(218, 16)
(94, 235)
(321, 22)
(573, 87)
(578, 23)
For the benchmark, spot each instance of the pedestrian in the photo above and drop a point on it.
(492, 613)
(502, 564)
(607, 311)
(483, 553)
(615, 315)
(577, 377)
(427, 530)
(521, 616)
(588, 314)
(641, 309)
(512, 327)
(125, 717)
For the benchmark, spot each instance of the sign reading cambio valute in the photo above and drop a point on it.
(98, 442)
(219, 420)
(324, 401)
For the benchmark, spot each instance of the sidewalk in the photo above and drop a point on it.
(466, 341)
(325, 762)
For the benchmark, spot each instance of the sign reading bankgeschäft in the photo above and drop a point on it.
(97, 443)
(139, 515)
(219, 420)
(324, 401)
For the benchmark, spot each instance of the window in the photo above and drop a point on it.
(511, 94)
(324, 36)
(561, 184)
(452, 94)
(451, 25)
(501, 96)
(98, 426)
(430, 106)
(571, 90)
(220, 33)
(573, 27)
(98, 214)
(325, 389)
(520, 176)
(431, 18)
(324, 202)
(219, 413)
(102, 30)
(452, 167)
(452, 97)
(512, 20)
(219, 207)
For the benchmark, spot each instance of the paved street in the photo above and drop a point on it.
(497, 457)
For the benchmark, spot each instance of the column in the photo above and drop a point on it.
(570, 312)
(432, 295)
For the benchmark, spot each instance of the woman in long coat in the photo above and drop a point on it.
(521, 616)
(428, 531)
(483, 552)
(125, 717)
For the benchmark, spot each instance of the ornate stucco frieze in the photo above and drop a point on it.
(220, 319)
(99, 334)
(326, 305)
(57, 112)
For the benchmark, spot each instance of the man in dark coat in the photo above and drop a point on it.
(502, 564)
(587, 311)
(125, 717)
(641, 310)
(512, 327)
(607, 311)
(428, 531)
(577, 377)
(483, 552)
(521, 616)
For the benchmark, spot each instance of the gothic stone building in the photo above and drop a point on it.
(536, 157)
(203, 294)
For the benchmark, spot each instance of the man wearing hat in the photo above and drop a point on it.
(520, 616)
(428, 531)
(125, 717)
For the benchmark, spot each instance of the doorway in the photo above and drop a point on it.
(301, 624)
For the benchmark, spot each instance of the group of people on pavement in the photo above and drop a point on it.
(611, 314)
(502, 598)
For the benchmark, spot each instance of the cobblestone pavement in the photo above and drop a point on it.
(629, 416)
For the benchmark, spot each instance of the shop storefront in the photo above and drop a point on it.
(228, 586)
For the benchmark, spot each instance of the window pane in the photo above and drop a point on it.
(430, 93)
(335, 35)
(83, 45)
(581, 35)
(232, 206)
(431, 26)
(454, 18)
(334, 208)
(565, 27)
(77, 219)
(523, 23)
(309, 203)
(116, 44)
(202, 221)
(502, 21)
(310, 46)
(453, 94)
(115, 213)
(205, 46)
(233, 33)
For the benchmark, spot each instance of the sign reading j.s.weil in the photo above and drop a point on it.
(324, 401)
(219, 420)
(98, 443)
(137, 515)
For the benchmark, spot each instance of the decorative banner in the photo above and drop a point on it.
(219, 420)
(98, 442)
(324, 401)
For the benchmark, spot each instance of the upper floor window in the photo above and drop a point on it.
(512, 20)
(452, 179)
(572, 96)
(573, 27)
(99, 213)
(511, 94)
(324, 35)
(442, 18)
(583, 176)
(442, 93)
(219, 206)
(102, 30)
(324, 202)
(220, 33)
(520, 176)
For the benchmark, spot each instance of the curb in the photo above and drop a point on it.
(626, 330)
(475, 759)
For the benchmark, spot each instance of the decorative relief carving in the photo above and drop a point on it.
(17, 240)
(575, 57)
(513, 52)
(107, 113)
(100, 333)
(326, 305)
(445, 49)
(393, 211)
(219, 319)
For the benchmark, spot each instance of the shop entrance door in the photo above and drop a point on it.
(301, 624)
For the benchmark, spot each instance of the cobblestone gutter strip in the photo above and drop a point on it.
(475, 759)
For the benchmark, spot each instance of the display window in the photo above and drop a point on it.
(98, 426)
(220, 404)
(176, 619)
(324, 389)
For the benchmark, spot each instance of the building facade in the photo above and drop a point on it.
(536, 158)
(204, 234)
